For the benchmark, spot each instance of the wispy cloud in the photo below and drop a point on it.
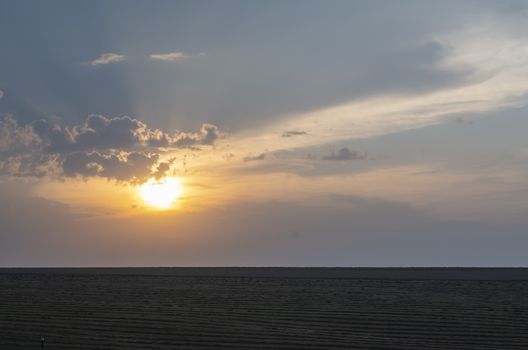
(250, 158)
(107, 58)
(173, 56)
(345, 154)
(290, 133)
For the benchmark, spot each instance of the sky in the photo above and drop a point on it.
(274, 133)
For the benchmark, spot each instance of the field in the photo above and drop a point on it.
(264, 308)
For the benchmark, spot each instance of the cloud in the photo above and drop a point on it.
(133, 166)
(117, 133)
(344, 154)
(170, 56)
(107, 58)
(29, 165)
(1, 93)
(261, 156)
(15, 139)
(293, 133)
(163, 168)
(173, 56)
(121, 148)
(460, 120)
(207, 135)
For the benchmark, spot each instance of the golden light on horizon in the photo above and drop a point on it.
(162, 193)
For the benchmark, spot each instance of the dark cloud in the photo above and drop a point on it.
(463, 121)
(345, 154)
(207, 135)
(121, 148)
(163, 168)
(134, 166)
(261, 156)
(29, 165)
(15, 139)
(291, 133)
(101, 133)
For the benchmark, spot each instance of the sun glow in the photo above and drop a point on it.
(162, 193)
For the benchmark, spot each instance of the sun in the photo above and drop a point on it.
(162, 193)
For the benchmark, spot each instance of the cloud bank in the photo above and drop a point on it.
(121, 148)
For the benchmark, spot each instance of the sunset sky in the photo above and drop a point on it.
(266, 133)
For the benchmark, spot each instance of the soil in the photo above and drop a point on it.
(264, 308)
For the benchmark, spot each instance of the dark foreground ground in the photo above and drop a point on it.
(178, 308)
